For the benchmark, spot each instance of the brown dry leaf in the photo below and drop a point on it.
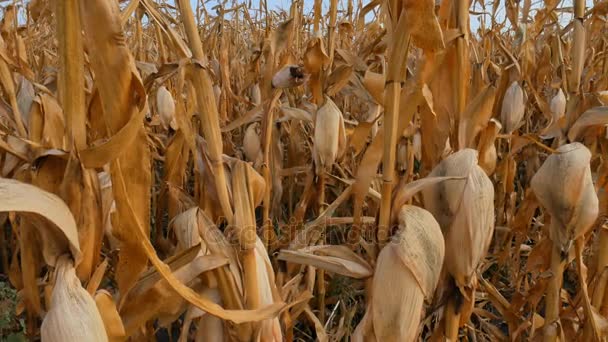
(424, 26)
(109, 314)
(122, 96)
(337, 259)
(63, 237)
(592, 117)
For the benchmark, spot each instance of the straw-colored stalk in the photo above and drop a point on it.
(71, 71)
(563, 185)
(207, 108)
(396, 73)
(329, 141)
(578, 46)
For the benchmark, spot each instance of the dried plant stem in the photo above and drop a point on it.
(71, 73)
(601, 270)
(392, 94)
(251, 279)
(318, 15)
(552, 300)
(591, 325)
(333, 11)
(268, 233)
(452, 318)
(9, 88)
(207, 108)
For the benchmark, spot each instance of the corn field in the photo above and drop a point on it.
(394, 170)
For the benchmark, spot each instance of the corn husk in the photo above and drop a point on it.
(513, 108)
(329, 136)
(487, 148)
(417, 145)
(558, 112)
(602, 96)
(252, 145)
(73, 315)
(402, 155)
(563, 185)
(288, 77)
(410, 266)
(256, 94)
(465, 212)
(210, 328)
(166, 107)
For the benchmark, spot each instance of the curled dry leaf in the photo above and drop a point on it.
(563, 185)
(20, 197)
(592, 117)
(487, 147)
(338, 259)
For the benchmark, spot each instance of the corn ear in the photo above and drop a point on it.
(513, 108)
(288, 77)
(166, 107)
(328, 135)
(411, 263)
(73, 315)
(465, 212)
(252, 145)
(563, 185)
